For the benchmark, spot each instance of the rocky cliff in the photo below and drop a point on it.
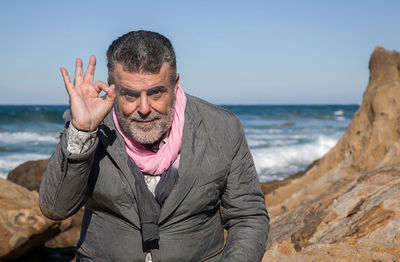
(346, 207)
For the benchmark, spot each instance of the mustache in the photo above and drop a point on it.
(138, 118)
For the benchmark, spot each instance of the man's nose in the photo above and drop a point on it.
(144, 107)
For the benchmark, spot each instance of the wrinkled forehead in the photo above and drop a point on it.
(140, 81)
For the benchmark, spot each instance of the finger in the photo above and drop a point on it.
(100, 86)
(78, 72)
(67, 80)
(89, 75)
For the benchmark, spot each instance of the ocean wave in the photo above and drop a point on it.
(340, 118)
(288, 159)
(270, 143)
(269, 140)
(338, 113)
(8, 163)
(263, 130)
(23, 137)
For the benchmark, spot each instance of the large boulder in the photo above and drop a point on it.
(22, 225)
(29, 175)
(346, 207)
(70, 237)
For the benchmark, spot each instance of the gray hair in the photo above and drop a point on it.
(141, 51)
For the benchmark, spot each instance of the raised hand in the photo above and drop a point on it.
(87, 108)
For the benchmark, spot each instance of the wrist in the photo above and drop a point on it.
(84, 130)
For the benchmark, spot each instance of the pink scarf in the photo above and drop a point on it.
(156, 163)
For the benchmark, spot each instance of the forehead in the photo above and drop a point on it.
(141, 81)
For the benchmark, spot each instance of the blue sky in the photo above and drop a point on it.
(228, 52)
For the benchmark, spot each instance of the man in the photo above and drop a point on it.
(160, 173)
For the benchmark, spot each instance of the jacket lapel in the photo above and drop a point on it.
(192, 152)
(114, 143)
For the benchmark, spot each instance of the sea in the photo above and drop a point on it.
(283, 139)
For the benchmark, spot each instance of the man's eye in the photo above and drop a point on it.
(155, 93)
(129, 96)
(133, 95)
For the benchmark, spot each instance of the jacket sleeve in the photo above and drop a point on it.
(244, 213)
(64, 188)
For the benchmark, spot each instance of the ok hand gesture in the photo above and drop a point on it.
(87, 108)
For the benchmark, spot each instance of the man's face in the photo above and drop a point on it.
(145, 102)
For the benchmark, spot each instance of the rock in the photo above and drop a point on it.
(29, 174)
(346, 207)
(362, 214)
(70, 237)
(22, 225)
(44, 254)
(268, 187)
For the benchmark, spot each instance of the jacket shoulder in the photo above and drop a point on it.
(222, 126)
(213, 114)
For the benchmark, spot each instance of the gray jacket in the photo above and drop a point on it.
(217, 188)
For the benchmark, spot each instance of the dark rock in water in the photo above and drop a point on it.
(346, 208)
(288, 124)
(29, 174)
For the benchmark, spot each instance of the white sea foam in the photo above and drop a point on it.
(257, 142)
(287, 159)
(338, 113)
(23, 137)
(263, 131)
(339, 118)
(8, 163)
(268, 140)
